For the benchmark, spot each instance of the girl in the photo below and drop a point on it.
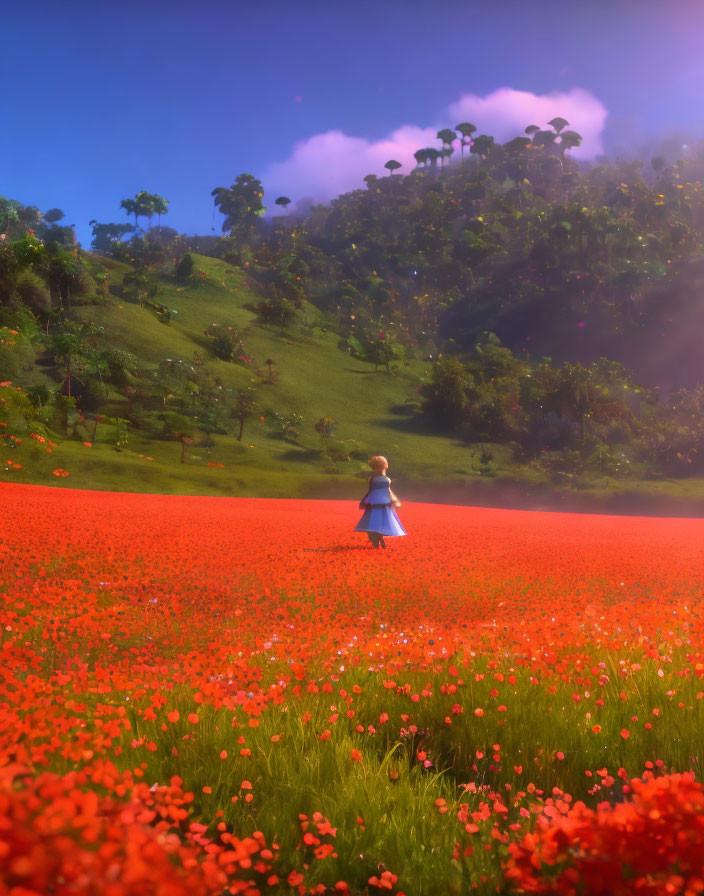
(379, 517)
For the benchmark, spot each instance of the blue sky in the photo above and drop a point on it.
(102, 100)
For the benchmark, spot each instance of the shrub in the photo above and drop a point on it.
(184, 268)
(225, 340)
(648, 845)
(120, 363)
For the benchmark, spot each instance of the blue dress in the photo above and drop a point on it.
(379, 514)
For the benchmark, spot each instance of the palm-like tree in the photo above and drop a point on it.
(568, 140)
(53, 216)
(466, 129)
(515, 159)
(283, 201)
(241, 202)
(517, 145)
(448, 136)
(558, 124)
(146, 203)
(433, 156)
(161, 207)
(482, 146)
(131, 207)
(421, 157)
(392, 166)
(544, 138)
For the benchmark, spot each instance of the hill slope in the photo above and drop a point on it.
(313, 377)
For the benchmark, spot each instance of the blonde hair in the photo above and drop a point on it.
(378, 462)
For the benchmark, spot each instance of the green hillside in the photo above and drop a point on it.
(314, 378)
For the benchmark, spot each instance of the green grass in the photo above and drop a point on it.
(545, 738)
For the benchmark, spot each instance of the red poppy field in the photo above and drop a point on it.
(211, 695)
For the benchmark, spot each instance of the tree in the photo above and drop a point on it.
(558, 124)
(283, 201)
(53, 215)
(65, 274)
(433, 156)
(243, 408)
(448, 136)
(466, 129)
(482, 146)
(184, 268)
(106, 235)
(138, 285)
(181, 428)
(226, 341)
(392, 166)
(9, 209)
(517, 145)
(568, 396)
(421, 157)
(145, 201)
(132, 394)
(94, 362)
(172, 378)
(120, 364)
(568, 140)
(445, 397)
(160, 206)
(69, 345)
(28, 252)
(289, 424)
(30, 216)
(544, 138)
(383, 351)
(326, 428)
(145, 205)
(150, 204)
(282, 309)
(131, 207)
(241, 203)
(287, 312)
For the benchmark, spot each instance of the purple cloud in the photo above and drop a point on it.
(506, 113)
(327, 164)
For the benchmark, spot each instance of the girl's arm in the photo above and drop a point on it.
(394, 498)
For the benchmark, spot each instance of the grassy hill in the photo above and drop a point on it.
(375, 411)
(314, 378)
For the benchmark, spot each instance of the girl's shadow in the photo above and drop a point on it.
(336, 548)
